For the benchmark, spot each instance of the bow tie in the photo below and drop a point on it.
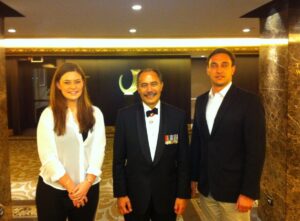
(152, 112)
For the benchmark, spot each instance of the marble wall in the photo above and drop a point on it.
(293, 126)
(280, 90)
(5, 196)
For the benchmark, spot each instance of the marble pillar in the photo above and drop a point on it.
(293, 121)
(5, 194)
(280, 90)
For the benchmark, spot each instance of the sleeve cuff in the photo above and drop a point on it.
(95, 171)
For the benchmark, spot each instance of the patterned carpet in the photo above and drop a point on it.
(24, 165)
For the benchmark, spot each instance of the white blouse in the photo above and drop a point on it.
(68, 153)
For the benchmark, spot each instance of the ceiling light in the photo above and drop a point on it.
(136, 7)
(246, 30)
(11, 30)
(132, 30)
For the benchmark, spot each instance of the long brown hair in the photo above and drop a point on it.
(58, 102)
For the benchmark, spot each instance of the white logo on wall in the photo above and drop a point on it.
(132, 88)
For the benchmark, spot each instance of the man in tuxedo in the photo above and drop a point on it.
(228, 144)
(150, 161)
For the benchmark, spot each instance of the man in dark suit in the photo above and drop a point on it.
(150, 164)
(228, 144)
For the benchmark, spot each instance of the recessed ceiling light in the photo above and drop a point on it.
(136, 7)
(11, 30)
(246, 30)
(132, 30)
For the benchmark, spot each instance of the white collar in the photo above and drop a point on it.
(146, 107)
(222, 92)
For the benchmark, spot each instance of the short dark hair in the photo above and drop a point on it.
(222, 51)
(157, 72)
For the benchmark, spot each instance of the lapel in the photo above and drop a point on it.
(202, 114)
(162, 129)
(223, 108)
(142, 133)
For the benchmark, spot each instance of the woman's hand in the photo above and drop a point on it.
(81, 202)
(79, 192)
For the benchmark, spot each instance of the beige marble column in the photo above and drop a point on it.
(5, 194)
(280, 90)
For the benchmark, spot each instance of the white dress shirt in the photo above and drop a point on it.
(152, 126)
(68, 153)
(213, 105)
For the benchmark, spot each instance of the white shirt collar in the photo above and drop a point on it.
(222, 92)
(146, 107)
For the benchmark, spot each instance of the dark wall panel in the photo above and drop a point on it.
(184, 78)
(103, 81)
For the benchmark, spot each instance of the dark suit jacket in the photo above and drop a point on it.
(229, 161)
(135, 174)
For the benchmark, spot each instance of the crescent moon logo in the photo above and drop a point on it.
(132, 88)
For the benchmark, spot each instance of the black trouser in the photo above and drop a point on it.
(55, 205)
(152, 214)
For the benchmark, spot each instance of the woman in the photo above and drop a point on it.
(71, 142)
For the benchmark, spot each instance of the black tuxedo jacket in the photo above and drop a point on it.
(135, 174)
(229, 161)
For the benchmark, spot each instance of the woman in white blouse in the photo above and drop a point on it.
(71, 142)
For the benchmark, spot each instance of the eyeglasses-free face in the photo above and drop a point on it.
(71, 86)
(220, 71)
(150, 88)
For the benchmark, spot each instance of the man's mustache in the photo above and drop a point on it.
(150, 94)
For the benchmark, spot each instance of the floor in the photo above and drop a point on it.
(24, 166)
